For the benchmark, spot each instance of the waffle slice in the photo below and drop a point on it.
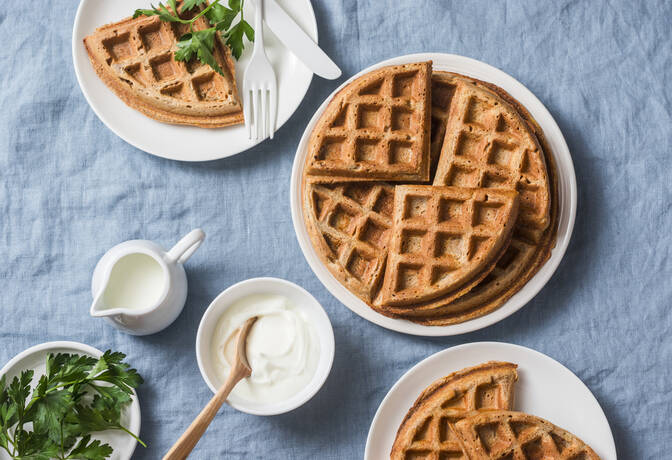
(529, 247)
(349, 224)
(426, 431)
(487, 143)
(445, 240)
(376, 128)
(501, 434)
(135, 58)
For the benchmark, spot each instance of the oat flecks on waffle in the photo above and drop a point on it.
(427, 432)
(482, 140)
(136, 59)
(444, 239)
(501, 434)
(376, 128)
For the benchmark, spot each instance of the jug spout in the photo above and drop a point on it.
(98, 307)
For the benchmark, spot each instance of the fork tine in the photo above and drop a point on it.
(264, 112)
(257, 112)
(247, 112)
(273, 97)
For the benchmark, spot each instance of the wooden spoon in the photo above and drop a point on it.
(239, 370)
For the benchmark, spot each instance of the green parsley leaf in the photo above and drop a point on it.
(93, 450)
(189, 5)
(234, 37)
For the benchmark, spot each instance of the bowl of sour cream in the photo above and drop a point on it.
(290, 347)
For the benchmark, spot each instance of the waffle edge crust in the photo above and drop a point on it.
(481, 139)
(135, 58)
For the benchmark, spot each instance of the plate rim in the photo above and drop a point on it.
(567, 204)
(512, 346)
(143, 145)
(135, 413)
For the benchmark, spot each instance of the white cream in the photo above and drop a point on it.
(282, 348)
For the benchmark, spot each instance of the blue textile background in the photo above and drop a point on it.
(70, 189)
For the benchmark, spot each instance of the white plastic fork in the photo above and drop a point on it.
(260, 92)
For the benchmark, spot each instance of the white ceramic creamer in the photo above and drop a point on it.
(139, 287)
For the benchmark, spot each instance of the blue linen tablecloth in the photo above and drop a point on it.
(70, 189)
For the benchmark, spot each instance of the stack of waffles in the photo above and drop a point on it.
(429, 195)
(135, 58)
(467, 415)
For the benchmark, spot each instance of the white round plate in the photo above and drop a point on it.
(187, 143)
(35, 358)
(566, 191)
(545, 388)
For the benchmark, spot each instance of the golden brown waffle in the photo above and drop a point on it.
(445, 240)
(135, 59)
(426, 431)
(501, 435)
(349, 224)
(376, 128)
(488, 144)
(529, 247)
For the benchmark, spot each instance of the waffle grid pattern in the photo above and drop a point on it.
(144, 52)
(355, 220)
(441, 235)
(485, 148)
(377, 130)
(518, 436)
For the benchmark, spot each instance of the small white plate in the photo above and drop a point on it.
(299, 297)
(545, 388)
(35, 358)
(187, 143)
(566, 191)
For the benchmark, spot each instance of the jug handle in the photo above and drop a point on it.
(186, 246)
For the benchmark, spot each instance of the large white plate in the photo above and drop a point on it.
(35, 358)
(187, 143)
(545, 388)
(566, 189)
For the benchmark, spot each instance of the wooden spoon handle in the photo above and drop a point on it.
(183, 447)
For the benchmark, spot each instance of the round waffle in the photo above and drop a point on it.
(481, 140)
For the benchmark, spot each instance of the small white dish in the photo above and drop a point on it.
(35, 358)
(566, 191)
(187, 143)
(299, 297)
(545, 388)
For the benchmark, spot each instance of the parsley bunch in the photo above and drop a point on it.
(200, 43)
(78, 395)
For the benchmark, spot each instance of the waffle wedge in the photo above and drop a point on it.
(376, 128)
(427, 432)
(445, 240)
(135, 58)
(530, 246)
(349, 224)
(501, 434)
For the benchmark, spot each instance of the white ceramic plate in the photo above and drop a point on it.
(566, 188)
(187, 143)
(299, 297)
(545, 388)
(35, 358)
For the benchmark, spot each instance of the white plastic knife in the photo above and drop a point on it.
(298, 42)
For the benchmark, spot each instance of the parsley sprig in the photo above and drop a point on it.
(78, 395)
(200, 43)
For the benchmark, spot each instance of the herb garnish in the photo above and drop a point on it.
(78, 395)
(200, 43)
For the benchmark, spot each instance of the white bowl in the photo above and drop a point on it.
(299, 297)
(567, 195)
(35, 358)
